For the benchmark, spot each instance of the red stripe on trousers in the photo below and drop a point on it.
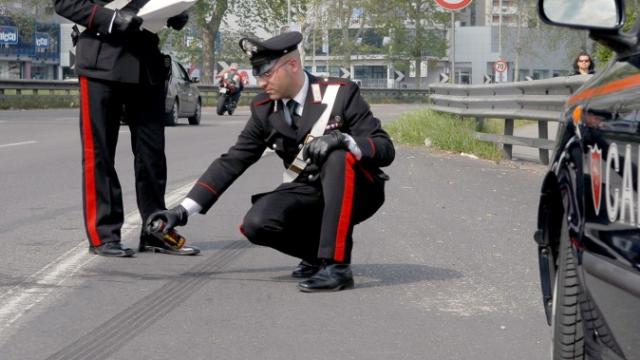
(89, 165)
(347, 205)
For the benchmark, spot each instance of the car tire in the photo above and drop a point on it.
(221, 106)
(195, 118)
(171, 118)
(566, 321)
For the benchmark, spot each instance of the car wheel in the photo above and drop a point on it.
(566, 321)
(172, 116)
(195, 119)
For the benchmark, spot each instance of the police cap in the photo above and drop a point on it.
(264, 54)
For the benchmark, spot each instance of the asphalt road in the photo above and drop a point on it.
(445, 270)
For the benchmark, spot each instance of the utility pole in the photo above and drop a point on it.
(500, 29)
(453, 47)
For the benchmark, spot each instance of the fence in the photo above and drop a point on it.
(540, 100)
(25, 94)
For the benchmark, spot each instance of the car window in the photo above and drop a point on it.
(183, 73)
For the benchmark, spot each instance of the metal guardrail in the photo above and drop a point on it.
(540, 100)
(10, 90)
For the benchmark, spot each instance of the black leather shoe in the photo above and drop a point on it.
(334, 277)
(151, 244)
(111, 249)
(305, 270)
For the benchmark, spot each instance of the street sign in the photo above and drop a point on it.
(345, 73)
(453, 5)
(444, 78)
(500, 66)
(487, 79)
(399, 76)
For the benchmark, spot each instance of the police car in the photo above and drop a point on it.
(588, 231)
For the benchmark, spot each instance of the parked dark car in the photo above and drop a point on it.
(589, 217)
(183, 97)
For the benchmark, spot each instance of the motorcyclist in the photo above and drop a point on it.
(234, 83)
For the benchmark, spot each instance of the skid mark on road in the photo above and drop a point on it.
(123, 327)
(39, 286)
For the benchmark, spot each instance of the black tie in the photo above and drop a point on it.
(292, 105)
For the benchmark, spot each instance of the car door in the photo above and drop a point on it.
(610, 255)
(186, 93)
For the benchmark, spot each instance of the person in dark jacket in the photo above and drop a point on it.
(120, 70)
(583, 64)
(332, 179)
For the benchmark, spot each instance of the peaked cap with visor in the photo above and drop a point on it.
(264, 54)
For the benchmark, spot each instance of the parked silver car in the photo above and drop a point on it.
(183, 97)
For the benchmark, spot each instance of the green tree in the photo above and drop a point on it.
(416, 29)
(602, 53)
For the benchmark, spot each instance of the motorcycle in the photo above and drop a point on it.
(226, 102)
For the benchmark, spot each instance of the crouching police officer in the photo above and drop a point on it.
(120, 68)
(331, 183)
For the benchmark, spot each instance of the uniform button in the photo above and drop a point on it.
(300, 146)
(275, 146)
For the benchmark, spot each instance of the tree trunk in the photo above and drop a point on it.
(209, 41)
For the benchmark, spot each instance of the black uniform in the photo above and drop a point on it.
(117, 73)
(304, 218)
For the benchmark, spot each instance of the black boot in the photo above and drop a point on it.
(305, 270)
(152, 244)
(111, 249)
(331, 277)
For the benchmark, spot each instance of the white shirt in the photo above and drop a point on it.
(300, 98)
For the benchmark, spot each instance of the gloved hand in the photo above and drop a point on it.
(125, 20)
(176, 216)
(179, 21)
(319, 148)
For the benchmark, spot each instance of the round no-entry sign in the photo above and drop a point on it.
(500, 66)
(453, 4)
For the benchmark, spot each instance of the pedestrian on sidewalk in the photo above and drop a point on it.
(583, 64)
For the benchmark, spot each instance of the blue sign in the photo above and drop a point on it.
(42, 40)
(8, 35)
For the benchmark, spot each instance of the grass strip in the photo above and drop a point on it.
(445, 132)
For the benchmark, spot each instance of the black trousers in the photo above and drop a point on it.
(315, 220)
(102, 104)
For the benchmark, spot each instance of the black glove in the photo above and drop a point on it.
(125, 20)
(173, 217)
(319, 148)
(179, 21)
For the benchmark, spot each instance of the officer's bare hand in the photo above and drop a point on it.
(125, 21)
(171, 218)
(319, 148)
(179, 21)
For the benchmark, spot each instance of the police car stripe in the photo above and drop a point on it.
(89, 165)
(345, 211)
(612, 87)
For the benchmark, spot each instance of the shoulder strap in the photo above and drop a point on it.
(298, 164)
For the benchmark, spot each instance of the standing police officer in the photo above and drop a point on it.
(120, 68)
(339, 185)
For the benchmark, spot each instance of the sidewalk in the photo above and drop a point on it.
(531, 130)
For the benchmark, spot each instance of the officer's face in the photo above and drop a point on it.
(277, 81)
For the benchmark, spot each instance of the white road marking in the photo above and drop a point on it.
(19, 143)
(3, 121)
(39, 286)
